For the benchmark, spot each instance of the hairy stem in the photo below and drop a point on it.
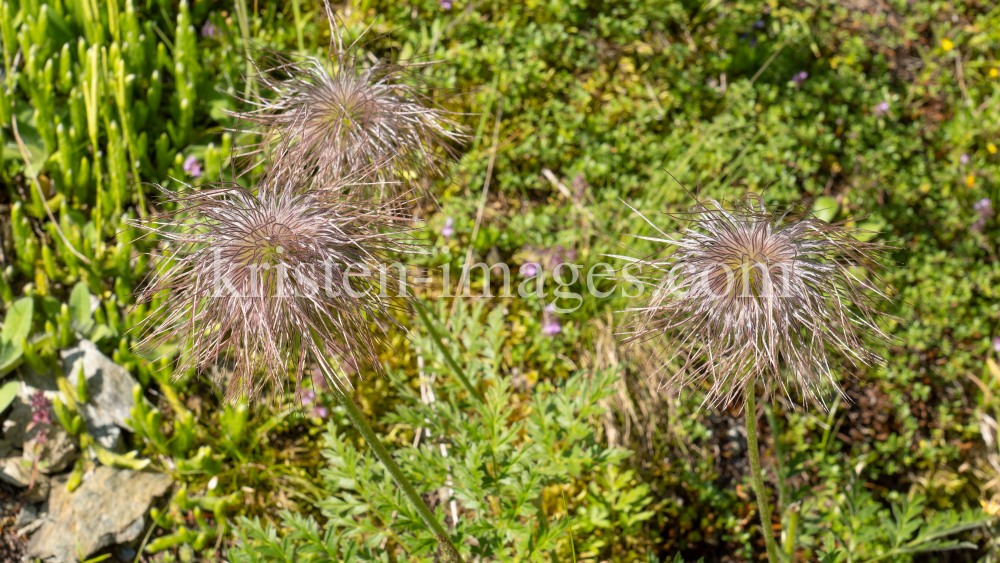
(447, 355)
(758, 478)
(446, 549)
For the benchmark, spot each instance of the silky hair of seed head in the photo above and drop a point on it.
(747, 293)
(342, 114)
(258, 281)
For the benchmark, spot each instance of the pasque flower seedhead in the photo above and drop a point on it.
(345, 113)
(748, 293)
(272, 282)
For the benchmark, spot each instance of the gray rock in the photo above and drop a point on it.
(17, 471)
(15, 427)
(51, 442)
(56, 447)
(31, 517)
(110, 388)
(6, 448)
(106, 509)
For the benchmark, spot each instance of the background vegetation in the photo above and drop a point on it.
(886, 112)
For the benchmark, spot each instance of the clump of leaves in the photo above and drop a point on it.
(509, 474)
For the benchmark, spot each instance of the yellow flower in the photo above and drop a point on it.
(994, 72)
(992, 507)
(925, 188)
(970, 180)
(990, 146)
(947, 45)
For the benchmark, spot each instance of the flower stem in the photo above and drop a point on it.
(447, 355)
(758, 478)
(446, 549)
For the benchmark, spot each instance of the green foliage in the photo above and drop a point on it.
(613, 100)
(531, 477)
(862, 530)
(16, 328)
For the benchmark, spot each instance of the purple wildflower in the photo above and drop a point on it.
(996, 344)
(445, 4)
(41, 408)
(550, 323)
(41, 414)
(552, 327)
(448, 229)
(192, 167)
(308, 397)
(529, 269)
(556, 258)
(964, 159)
(983, 208)
(321, 412)
(759, 24)
(882, 108)
(208, 30)
(800, 78)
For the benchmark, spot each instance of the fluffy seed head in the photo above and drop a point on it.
(747, 293)
(328, 117)
(273, 282)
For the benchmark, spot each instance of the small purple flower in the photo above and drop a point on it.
(759, 24)
(996, 344)
(192, 167)
(882, 108)
(41, 408)
(445, 4)
(41, 414)
(550, 323)
(800, 78)
(529, 269)
(551, 327)
(964, 159)
(308, 397)
(983, 207)
(321, 412)
(208, 30)
(448, 229)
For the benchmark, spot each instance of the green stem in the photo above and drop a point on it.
(793, 525)
(447, 355)
(297, 14)
(446, 549)
(758, 478)
(244, 22)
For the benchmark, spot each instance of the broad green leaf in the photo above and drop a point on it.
(101, 332)
(7, 393)
(17, 325)
(11, 356)
(872, 229)
(79, 308)
(826, 208)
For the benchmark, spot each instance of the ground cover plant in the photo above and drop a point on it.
(881, 114)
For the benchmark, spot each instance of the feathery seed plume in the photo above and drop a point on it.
(745, 292)
(273, 282)
(336, 116)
